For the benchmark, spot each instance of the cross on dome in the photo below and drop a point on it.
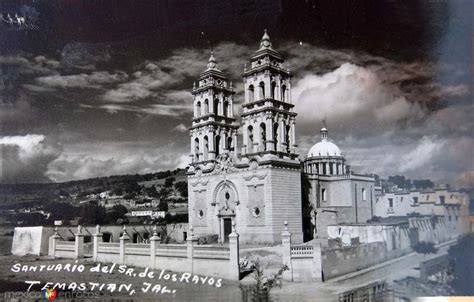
(212, 62)
(265, 43)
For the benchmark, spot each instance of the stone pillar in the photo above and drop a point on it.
(96, 243)
(52, 243)
(269, 139)
(191, 241)
(123, 241)
(79, 243)
(293, 136)
(235, 143)
(289, 100)
(231, 104)
(211, 106)
(153, 243)
(234, 267)
(286, 253)
(244, 137)
(317, 269)
(212, 147)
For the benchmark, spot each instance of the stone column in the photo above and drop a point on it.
(212, 147)
(288, 87)
(286, 253)
(220, 107)
(317, 269)
(244, 138)
(79, 243)
(154, 240)
(96, 243)
(234, 266)
(123, 241)
(269, 139)
(293, 136)
(52, 243)
(223, 141)
(211, 105)
(235, 143)
(191, 241)
(231, 105)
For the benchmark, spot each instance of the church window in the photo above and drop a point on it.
(218, 145)
(256, 212)
(200, 214)
(226, 108)
(216, 106)
(273, 90)
(287, 138)
(323, 194)
(250, 138)
(198, 109)
(390, 202)
(251, 93)
(196, 148)
(261, 88)
(275, 136)
(206, 148)
(229, 144)
(441, 199)
(364, 194)
(263, 136)
(283, 93)
(227, 195)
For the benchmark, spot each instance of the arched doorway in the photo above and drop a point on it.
(226, 199)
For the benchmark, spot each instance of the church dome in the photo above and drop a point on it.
(324, 147)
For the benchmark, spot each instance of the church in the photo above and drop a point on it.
(258, 185)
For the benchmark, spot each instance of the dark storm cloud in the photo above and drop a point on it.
(114, 89)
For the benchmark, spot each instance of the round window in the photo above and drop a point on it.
(256, 212)
(227, 195)
(200, 214)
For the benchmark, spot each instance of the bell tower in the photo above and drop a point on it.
(268, 119)
(213, 129)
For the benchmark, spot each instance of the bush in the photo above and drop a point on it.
(425, 248)
(462, 269)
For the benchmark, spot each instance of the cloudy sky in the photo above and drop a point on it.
(103, 88)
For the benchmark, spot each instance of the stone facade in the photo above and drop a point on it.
(260, 188)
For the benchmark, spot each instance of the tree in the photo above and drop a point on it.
(163, 206)
(462, 265)
(425, 248)
(260, 290)
(182, 188)
(169, 182)
(164, 193)
(62, 211)
(152, 192)
(117, 212)
(92, 214)
(132, 187)
(117, 191)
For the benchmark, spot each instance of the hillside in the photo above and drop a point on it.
(15, 196)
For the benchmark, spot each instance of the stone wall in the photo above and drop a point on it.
(341, 261)
(215, 261)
